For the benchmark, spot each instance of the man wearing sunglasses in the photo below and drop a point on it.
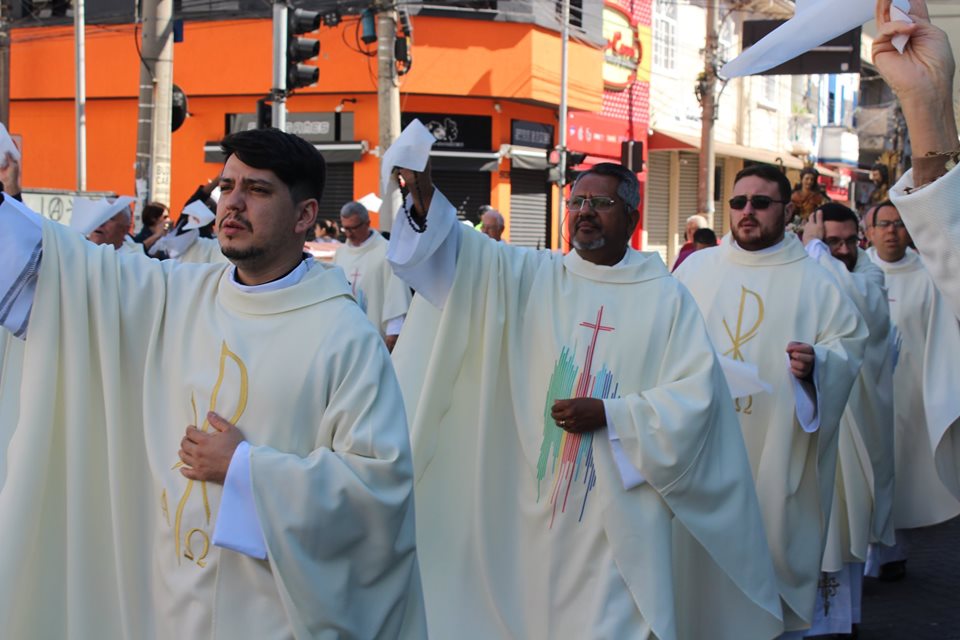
(768, 304)
(568, 415)
(863, 503)
(925, 382)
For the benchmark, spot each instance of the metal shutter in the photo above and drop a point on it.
(689, 181)
(529, 208)
(338, 190)
(658, 202)
(466, 190)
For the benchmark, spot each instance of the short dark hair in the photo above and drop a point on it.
(151, 213)
(629, 187)
(836, 212)
(296, 162)
(770, 173)
(876, 210)
(884, 172)
(705, 236)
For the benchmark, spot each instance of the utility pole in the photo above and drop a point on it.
(155, 103)
(708, 92)
(388, 92)
(562, 138)
(278, 106)
(80, 101)
(5, 63)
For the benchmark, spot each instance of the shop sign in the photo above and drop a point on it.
(454, 131)
(312, 127)
(623, 52)
(524, 133)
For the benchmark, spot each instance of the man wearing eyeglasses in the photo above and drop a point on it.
(363, 258)
(569, 419)
(863, 503)
(926, 380)
(768, 304)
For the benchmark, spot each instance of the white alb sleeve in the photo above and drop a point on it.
(238, 525)
(394, 325)
(21, 248)
(629, 475)
(427, 261)
(807, 398)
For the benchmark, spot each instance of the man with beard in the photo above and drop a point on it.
(925, 384)
(576, 453)
(243, 471)
(863, 503)
(767, 303)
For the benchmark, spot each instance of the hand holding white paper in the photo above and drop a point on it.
(371, 202)
(743, 378)
(7, 145)
(814, 23)
(89, 214)
(199, 214)
(409, 151)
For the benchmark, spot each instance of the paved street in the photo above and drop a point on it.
(925, 605)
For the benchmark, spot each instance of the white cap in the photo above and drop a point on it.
(814, 23)
(89, 214)
(371, 202)
(199, 214)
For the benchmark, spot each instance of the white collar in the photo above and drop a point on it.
(759, 252)
(292, 278)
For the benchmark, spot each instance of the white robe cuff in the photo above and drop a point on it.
(816, 249)
(394, 325)
(238, 525)
(21, 248)
(629, 475)
(807, 399)
(427, 261)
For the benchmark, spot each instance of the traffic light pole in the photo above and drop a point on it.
(278, 109)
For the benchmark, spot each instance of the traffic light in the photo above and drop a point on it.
(302, 49)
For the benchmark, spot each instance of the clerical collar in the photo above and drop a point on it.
(759, 252)
(902, 262)
(292, 278)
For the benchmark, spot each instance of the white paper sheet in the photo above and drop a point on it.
(814, 23)
(410, 151)
(7, 145)
(743, 378)
(199, 214)
(89, 214)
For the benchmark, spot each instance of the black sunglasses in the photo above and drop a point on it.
(759, 202)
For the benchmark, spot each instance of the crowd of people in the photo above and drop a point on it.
(241, 441)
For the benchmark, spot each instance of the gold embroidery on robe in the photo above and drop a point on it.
(225, 354)
(740, 338)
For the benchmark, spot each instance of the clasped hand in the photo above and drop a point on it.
(579, 415)
(208, 454)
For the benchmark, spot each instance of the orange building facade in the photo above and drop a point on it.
(490, 90)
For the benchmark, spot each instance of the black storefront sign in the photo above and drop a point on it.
(454, 131)
(525, 133)
(312, 127)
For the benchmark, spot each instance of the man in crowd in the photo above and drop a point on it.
(491, 222)
(105, 221)
(704, 239)
(694, 224)
(863, 503)
(926, 380)
(766, 303)
(363, 258)
(244, 471)
(568, 435)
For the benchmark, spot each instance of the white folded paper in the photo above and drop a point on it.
(409, 151)
(371, 202)
(89, 214)
(743, 378)
(7, 145)
(199, 215)
(814, 23)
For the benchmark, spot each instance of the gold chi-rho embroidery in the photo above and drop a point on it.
(739, 338)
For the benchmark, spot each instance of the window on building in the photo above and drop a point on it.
(771, 89)
(665, 34)
(726, 41)
(576, 12)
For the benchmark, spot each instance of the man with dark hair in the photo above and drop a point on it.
(863, 503)
(925, 383)
(566, 430)
(704, 239)
(224, 477)
(767, 304)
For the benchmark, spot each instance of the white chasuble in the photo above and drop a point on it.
(754, 304)
(926, 402)
(11, 365)
(863, 503)
(380, 294)
(531, 533)
(202, 251)
(112, 541)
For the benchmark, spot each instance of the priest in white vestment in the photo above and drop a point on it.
(927, 195)
(863, 502)
(576, 455)
(382, 295)
(926, 402)
(243, 472)
(767, 303)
